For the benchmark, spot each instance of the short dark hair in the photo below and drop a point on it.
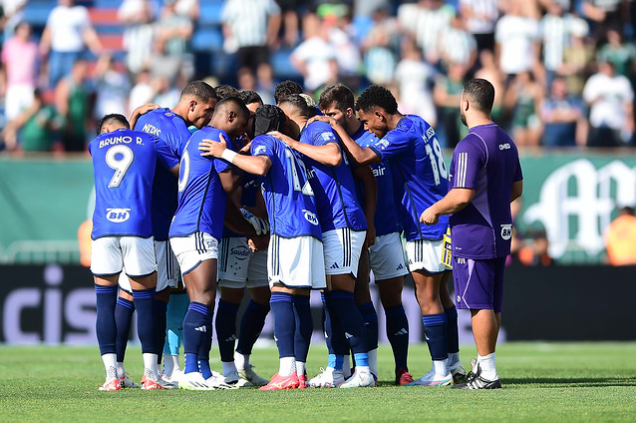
(300, 104)
(111, 119)
(481, 93)
(268, 118)
(377, 96)
(240, 104)
(250, 97)
(340, 96)
(223, 91)
(286, 88)
(200, 90)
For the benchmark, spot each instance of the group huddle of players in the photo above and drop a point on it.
(281, 200)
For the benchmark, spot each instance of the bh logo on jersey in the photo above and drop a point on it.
(506, 232)
(311, 217)
(118, 215)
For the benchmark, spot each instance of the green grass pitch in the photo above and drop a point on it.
(542, 381)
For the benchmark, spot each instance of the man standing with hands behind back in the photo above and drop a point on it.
(485, 177)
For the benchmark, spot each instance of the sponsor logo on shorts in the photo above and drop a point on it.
(335, 266)
(400, 267)
(240, 252)
(201, 329)
(310, 217)
(506, 231)
(118, 215)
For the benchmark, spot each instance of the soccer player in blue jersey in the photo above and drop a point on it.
(419, 179)
(195, 232)
(295, 258)
(485, 177)
(386, 256)
(124, 162)
(195, 109)
(343, 226)
(240, 268)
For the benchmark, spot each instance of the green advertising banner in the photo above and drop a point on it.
(573, 197)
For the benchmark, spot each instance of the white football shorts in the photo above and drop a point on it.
(239, 267)
(342, 251)
(191, 250)
(386, 257)
(296, 262)
(424, 254)
(111, 254)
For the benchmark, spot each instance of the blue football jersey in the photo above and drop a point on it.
(124, 164)
(334, 187)
(202, 198)
(172, 129)
(386, 219)
(288, 195)
(420, 177)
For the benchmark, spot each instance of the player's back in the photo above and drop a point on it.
(420, 177)
(334, 187)
(202, 198)
(386, 218)
(124, 164)
(172, 129)
(288, 195)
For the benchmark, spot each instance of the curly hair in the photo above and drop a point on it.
(286, 88)
(250, 97)
(377, 96)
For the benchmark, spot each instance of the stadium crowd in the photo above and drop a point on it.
(563, 69)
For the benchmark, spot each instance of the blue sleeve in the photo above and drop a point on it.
(322, 134)
(391, 145)
(261, 146)
(166, 156)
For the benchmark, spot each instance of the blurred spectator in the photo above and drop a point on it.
(189, 8)
(556, 29)
(620, 238)
(448, 91)
(142, 92)
(605, 15)
(68, 29)
(72, 101)
(34, 127)
(18, 76)
(315, 58)
(247, 82)
(166, 93)
(491, 73)
(535, 253)
(346, 50)
(610, 99)
(427, 21)
(138, 16)
(578, 59)
(621, 55)
(524, 98)
(379, 46)
(456, 45)
(252, 26)
(517, 41)
(13, 11)
(369, 7)
(291, 23)
(415, 78)
(172, 42)
(481, 17)
(112, 89)
(565, 124)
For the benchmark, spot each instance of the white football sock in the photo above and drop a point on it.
(121, 371)
(287, 366)
(110, 363)
(488, 367)
(373, 361)
(300, 368)
(242, 361)
(440, 367)
(228, 367)
(453, 360)
(150, 366)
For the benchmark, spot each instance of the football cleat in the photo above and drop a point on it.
(174, 377)
(302, 382)
(250, 375)
(217, 381)
(194, 382)
(111, 385)
(459, 373)
(403, 377)
(234, 379)
(151, 385)
(125, 382)
(281, 382)
(359, 379)
(328, 378)
(474, 380)
(433, 379)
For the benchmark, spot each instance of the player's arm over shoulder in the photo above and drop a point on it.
(165, 155)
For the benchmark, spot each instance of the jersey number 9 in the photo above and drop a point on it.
(120, 165)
